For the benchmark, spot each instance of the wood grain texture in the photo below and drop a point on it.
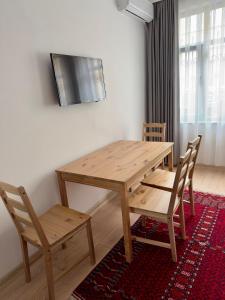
(58, 222)
(151, 201)
(118, 166)
(160, 204)
(162, 179)
(154, 132)
(119, 161)
(46, 232)
(208, 179)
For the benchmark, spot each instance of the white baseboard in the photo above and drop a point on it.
(109, 197)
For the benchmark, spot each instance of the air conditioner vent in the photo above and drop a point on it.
(142, 9)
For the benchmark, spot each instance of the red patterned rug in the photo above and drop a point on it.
(199, 273)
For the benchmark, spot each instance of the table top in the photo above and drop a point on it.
(119, 161)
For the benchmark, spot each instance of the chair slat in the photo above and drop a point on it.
(154, 130)
(151, 242)
(193, 154)
(8, 188)
(16, 204)
(155, 125)
(186, 157)
(153, 134)
(191, 166)
(195, 142)
(183, 171)
(25, 220)
(180, 185)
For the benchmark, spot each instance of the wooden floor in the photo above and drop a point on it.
(107, 230)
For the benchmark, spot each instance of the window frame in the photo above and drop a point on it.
(199, 47)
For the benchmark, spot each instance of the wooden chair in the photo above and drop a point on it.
(161, 205)
(46, 232)
(155, 132)
(163, 180)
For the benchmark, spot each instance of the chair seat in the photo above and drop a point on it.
(151, 202)
(161, 179)
(58, 222)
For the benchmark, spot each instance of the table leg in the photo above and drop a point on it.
(170, 160)
(126, 225)
(62, 190)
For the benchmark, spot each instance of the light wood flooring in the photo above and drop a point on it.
(107, 230)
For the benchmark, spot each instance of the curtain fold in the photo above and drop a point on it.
(163, 70)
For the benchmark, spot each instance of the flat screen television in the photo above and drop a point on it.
(78, 79)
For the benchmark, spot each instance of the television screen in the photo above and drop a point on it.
(79, 79)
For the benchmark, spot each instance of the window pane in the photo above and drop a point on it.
(216, 24)
(202, 66)
(188, 67)
(182, 32)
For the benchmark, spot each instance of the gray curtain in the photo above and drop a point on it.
(163, 70)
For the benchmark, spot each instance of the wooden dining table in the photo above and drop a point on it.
(119, 167)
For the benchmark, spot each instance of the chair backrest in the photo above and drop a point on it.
(179, 181)
(155, 132)
(20, 209)
(194, 145)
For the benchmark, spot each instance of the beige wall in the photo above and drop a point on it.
(37, 135)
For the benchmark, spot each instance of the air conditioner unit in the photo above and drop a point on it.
(142, 9)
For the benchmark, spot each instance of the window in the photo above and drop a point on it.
(202, 66)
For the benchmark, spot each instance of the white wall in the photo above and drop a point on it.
(37, 135)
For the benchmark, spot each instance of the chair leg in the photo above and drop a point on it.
(182, 220)
(49, 274)
(172, 240)
(25, 259)
(191, 196)
(90, 242)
